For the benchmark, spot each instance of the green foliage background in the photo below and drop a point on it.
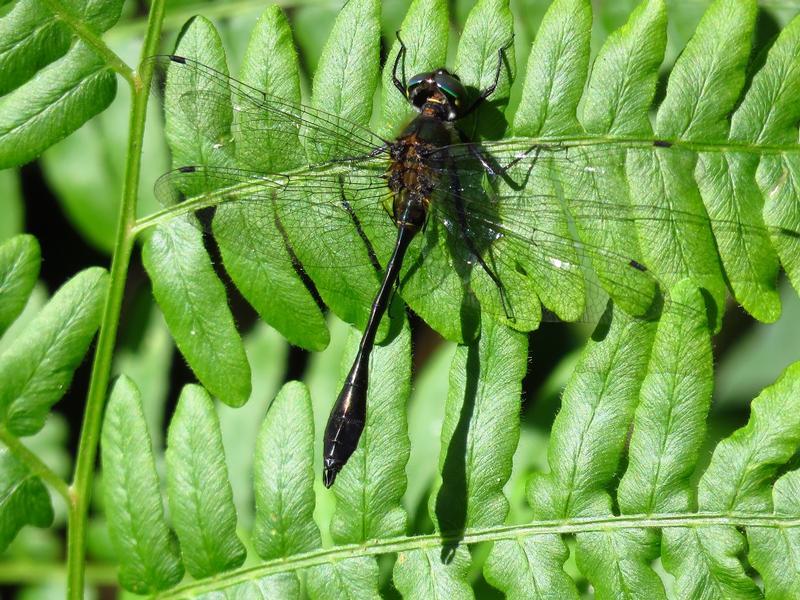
(172, 505)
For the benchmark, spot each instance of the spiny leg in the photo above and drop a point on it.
(490, 90)
(461, 213)
(373, 257)
(401, 56)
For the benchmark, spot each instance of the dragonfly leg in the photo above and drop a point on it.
(469, 242)
(490, 90)
(489, 164)
(373, 257)
(401, 56)
(537, 150)
(501, 289)
(491, 169)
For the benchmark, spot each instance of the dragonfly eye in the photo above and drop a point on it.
(451, 86)
(442, 87)
(416, 81)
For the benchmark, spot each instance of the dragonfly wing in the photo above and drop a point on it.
(522, 248)
(329, 227)
(680, 213)
(297, 131)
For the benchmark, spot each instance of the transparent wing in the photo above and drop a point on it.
(640, 216)
(288, 236)
(516, 252)
(292, 131)
(478, 252)
(555, 223)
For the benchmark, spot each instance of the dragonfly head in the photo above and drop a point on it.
(438, 92)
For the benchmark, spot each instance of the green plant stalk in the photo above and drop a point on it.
(34, 463)
(36, 573)
(75, 23)
(81, 488)
(212, 10)
(474, 536)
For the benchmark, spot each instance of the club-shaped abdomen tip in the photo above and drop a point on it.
(329, 472)
(345, 424)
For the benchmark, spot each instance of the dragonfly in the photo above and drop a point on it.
(440, 220)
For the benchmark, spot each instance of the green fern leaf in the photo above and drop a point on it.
(353, 579)
(557, 67)
(427, 574)
(200, 497)
(669, 424)
(195, 307)
(480, 432)
(768, 114)
(283, 477)
(703, 86)
(11, 204)
(250, 240)
(351, 54)
(373, 480)
(20, 258)
(488, 28)
(589, 432)
(616, 103)
(618, 217)
(773, 552)
(240, 426)
(36, 371)
(690, 205)
(24, 499)
(149, 366)
(146, 548)
(737, 479)
(72, 82)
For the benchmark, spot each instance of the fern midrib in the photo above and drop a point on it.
(478, 535)
(600, 396)
(76, 311)
(651, 500)
(42, 114)
(216, 197)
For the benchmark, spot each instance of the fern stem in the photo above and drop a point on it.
(101, 368)
(91, 38)
(19, 572)
(212, 10)
(474, 536)
(34, 463)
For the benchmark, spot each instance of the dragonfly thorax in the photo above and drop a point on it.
(413, 174)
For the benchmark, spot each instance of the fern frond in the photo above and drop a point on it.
(57, 73)
(146, 548)
(691, 526)
(706, 196)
